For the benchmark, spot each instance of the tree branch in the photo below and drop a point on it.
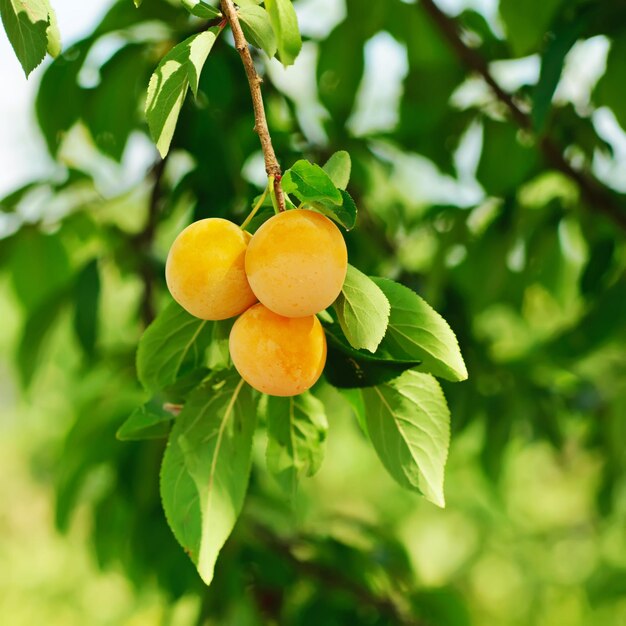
(332, 578)
(144, 240)
(597, 195)
(272, 166)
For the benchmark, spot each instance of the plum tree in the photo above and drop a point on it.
(278, 355)
(296, 263)
(205, 270)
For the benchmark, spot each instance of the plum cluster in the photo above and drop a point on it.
(277, 280)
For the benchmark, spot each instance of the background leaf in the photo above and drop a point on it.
(40, 266)
(608, 91)
(87, 299)
(498, 177)
(527, 23)
(35, 333)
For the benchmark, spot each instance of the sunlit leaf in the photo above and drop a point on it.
(285, 24)
(202, 9)
(32, 30)
(179, 70)
(362, 310)
(338, 168)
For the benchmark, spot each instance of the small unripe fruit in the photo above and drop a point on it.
(296, 263)
(278, 355)
(205, 269)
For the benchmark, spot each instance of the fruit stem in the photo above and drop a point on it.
(272, 187)
(257, 206)
(272, 166)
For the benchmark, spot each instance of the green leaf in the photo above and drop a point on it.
(610, 88)
(177, 71)
(256, 26)
(285, 24)
(60, 84)
(417, 331)
(552, 60)
(39, 266)
(86, 298)
(340, 70)
(149, 421)
(178, 392)
(138, 3)
(54, 35)
(37, 328)
(501, 176)
(204, 476)
(349, 368)
(31, 28)
(314, 186)
(526, 23)
(202, 9)
(173, 344)
(111, 119)
(362, 310)
(338, 168)
(346, 371)
(218, 354)
(408, 423)
(11, 201)
(344, 214)
(296, 430)
(310, 183)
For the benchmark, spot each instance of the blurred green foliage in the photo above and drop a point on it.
(456, 201)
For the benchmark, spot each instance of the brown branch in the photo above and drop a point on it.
(144, 241)
(332, 578)
(592, 190)
(272, 166)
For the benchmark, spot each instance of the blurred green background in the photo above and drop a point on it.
(473, 199)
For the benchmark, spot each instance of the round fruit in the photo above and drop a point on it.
(205, 269)
(296, 263)
(278, 355)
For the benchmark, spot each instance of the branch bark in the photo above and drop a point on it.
(144, 242)
(272, 166)
(333, 579)
(595, 194)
